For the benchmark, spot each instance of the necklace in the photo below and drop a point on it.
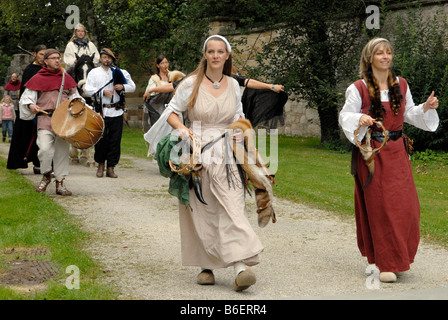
(216, 84)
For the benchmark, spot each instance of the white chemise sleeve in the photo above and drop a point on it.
(28, 97)
(239, 105)
(351, 113)
(414, 115)
(177, 105)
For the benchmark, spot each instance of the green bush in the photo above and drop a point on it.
(421, 57)
(431, 155)
(4, 63)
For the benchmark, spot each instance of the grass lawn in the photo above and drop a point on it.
(322, 178)
(31, 220)
(431, 179)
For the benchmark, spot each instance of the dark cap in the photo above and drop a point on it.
(49, 52)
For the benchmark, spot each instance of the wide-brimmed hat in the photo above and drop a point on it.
(108, 52)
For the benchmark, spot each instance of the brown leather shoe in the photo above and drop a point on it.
(100, 171)
(206, 277)
(61, 189)
(110, 172)
(244, 280)
(46, 179)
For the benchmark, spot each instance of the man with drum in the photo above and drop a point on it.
(43, 94)
(107, 86)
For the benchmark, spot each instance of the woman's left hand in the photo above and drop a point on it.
(431, 103)
(238, 135)
(278, 88)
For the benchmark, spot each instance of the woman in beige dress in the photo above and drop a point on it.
(219, 234)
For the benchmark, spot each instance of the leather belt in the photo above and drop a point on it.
(392, 135)
(113, 105)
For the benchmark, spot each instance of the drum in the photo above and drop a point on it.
(77, 123)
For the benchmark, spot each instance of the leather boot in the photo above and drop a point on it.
(61, 189)
(100, 171)
(110, 172)
(46, 179)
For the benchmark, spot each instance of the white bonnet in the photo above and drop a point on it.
(229, 48)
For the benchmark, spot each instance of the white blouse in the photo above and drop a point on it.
(413, 114)
(178, 105)
(72, 48)
(97, 78)
(154, 82)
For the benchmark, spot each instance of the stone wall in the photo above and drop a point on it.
(299, 120)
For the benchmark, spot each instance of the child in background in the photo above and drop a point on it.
(7, 116)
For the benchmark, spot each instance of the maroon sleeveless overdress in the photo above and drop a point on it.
(387, 210)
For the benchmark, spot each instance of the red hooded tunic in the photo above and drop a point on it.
(48, 83)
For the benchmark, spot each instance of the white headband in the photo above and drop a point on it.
(229, 48)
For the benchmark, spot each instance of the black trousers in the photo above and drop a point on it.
(108, 148)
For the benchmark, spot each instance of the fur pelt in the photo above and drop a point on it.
(175, 75)
(369, 157)
(247, 156)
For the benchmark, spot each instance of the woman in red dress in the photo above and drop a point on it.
(387, 208)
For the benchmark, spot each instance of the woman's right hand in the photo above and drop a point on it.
(366, 120)
(179, 128)
(146, 96)
(184, 133)
(35, 108)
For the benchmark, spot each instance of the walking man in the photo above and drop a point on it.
(41, 97)
(107, 86)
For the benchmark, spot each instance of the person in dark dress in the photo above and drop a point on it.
(23, 147)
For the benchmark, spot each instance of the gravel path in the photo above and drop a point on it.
(309, 253)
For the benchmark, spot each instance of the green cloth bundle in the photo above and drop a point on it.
(179, 186)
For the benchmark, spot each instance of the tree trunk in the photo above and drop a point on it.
(329, 127)
(323, 72)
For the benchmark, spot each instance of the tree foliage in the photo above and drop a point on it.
(421, 57)
(143, 29)
(137, 30)
(314, 52)
(30, 23)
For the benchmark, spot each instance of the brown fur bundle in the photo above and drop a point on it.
(369, 157)
(175, 75)
(257, 172)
